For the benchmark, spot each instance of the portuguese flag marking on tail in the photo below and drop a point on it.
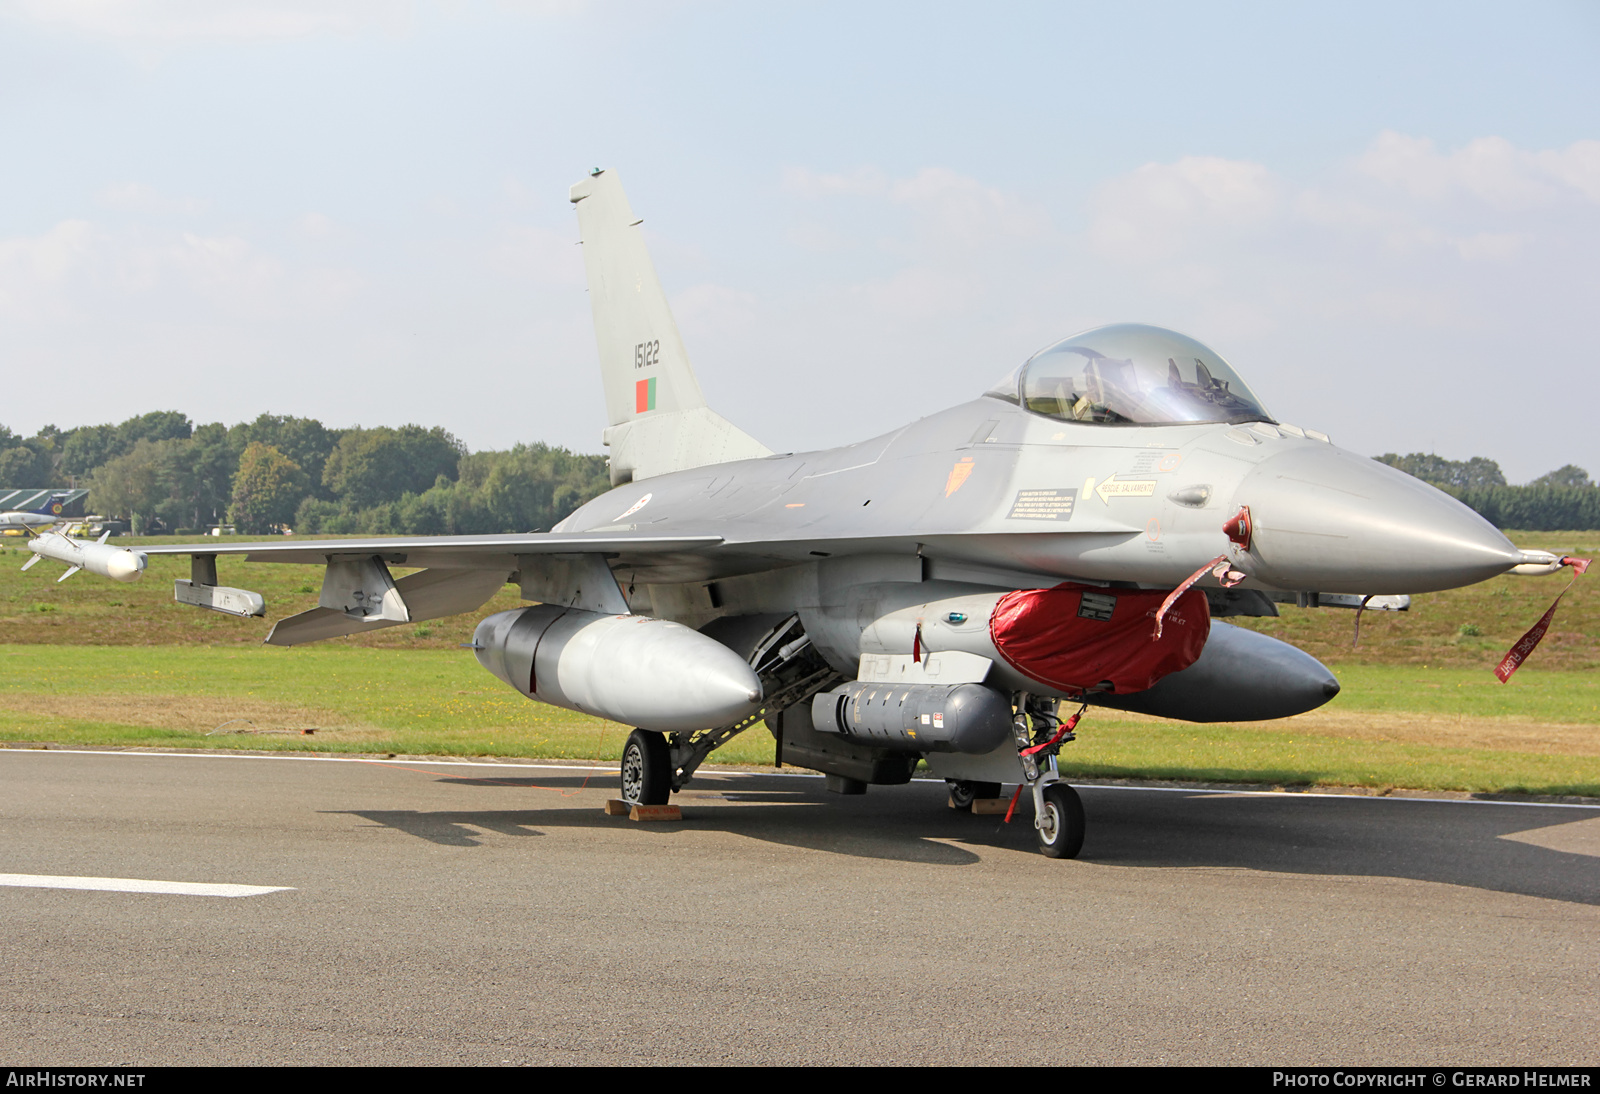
(644, 395)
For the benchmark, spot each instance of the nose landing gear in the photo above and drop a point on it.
(1057, 810)
(1060, 821)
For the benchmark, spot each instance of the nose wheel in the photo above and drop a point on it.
(646, 769)
(1060, 821)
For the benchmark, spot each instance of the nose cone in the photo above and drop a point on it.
(1328, 520)
(127, 565)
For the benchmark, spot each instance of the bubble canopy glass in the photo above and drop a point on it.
(1131, 374)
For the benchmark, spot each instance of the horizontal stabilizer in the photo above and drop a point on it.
(427, 594)
(676, 441)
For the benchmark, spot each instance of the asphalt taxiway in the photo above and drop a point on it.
(444, 913)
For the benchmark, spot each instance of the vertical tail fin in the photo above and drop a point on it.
(657, 415)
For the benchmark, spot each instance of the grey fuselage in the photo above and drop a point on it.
(988, 487)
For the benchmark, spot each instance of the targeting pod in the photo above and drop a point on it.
(967, 718)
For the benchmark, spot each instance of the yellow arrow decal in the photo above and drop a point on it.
(1113, 487)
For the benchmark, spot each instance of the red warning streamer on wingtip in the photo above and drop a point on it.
(1525, 646)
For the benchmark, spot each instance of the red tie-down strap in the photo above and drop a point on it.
(1525, 646)
(1066, 727)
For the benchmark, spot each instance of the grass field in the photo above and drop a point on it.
(91, 662)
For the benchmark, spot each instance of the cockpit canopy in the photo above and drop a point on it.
(1131, 374)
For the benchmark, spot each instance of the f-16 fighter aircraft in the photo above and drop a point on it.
(1071, 533)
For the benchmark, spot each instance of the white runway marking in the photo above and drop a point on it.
(138, 885)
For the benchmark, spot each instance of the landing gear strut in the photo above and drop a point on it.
(646, 769)
(1057, 811)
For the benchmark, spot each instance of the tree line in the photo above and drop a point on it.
(161, 472)
(1565, 499)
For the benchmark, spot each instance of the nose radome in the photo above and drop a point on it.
(1328, 520)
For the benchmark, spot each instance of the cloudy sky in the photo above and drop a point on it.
(1386, 216)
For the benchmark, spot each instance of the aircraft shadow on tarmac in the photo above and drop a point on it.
(792, 823)
(1449, 842)
(1455, 843)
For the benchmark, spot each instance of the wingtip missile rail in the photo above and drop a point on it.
(99, 557)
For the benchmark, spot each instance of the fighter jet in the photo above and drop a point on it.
(1073, 532)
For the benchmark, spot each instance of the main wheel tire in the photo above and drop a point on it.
(646, 769)
(1061, 827)
(963, 792)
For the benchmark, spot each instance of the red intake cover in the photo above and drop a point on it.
(1077, 636)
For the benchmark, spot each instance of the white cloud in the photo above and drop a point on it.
(1489, 169)
(862, 182)
(1577, 165)
(951, 209)
(33, 271)
(1160, 206)
(714, 311)
(78, 270)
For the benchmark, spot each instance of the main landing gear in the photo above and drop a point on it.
(654, 765)
(646, 769)
(964, 792)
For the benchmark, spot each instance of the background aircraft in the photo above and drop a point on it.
(930, 593)
(47, 514)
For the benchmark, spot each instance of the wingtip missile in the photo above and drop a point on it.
(117, 563)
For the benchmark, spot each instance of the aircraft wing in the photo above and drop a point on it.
(456, 574)
(646, 557)
(447, 552)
